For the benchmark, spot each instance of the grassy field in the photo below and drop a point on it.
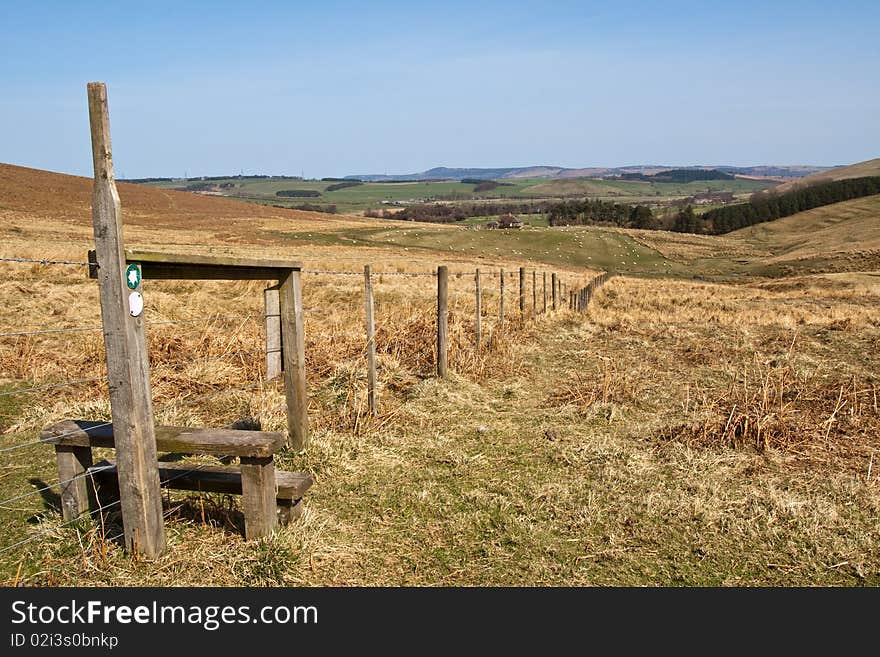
(682, 432)
(378, 195)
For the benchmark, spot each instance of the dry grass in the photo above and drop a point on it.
(679, 433)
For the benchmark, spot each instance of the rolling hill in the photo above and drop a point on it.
(858, 170)
(545, 171)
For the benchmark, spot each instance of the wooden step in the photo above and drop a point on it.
(183, 440)
(290, 486)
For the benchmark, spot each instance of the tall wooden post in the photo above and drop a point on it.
(534, 294)
(554, 288)
(272, 307)
(522, 293)
(371, 342)
(544, 308)
(293, 337)
(502, 299)
(128, 368)
(442, 327)
(478, 327)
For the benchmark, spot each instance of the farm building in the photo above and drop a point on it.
(491, 224)
(510, 221)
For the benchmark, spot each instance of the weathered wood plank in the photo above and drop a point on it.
(294, 355)
(75, 489)
(291, 486)
(370, 325)
(272, 306)
(128, 370)
(185, 440)
(258, 496)
(168, 266)
(442, 319)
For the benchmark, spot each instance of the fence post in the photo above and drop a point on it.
(502, 298)
(371, 342)
(544, 309)
(442, 326)
(479, 319)
(294, 354)
(128, 368)
(272, 308)
(522, 293)
(534, 294)
(554, 287)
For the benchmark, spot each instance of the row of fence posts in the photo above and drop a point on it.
(550, 299)
(579, 300)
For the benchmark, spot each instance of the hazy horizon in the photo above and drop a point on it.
(350, 89)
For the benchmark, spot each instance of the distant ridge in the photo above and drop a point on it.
(548, 171)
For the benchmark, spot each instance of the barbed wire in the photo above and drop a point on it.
(41, 261)
(60, 330)
(50, 386)
(375, 273)
(57, 527)
(81, 475)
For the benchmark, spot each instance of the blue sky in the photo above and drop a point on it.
(337, 88)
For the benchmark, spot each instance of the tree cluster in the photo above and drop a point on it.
(589, 212)
(304, 193)
(770, 205)
(343, 185)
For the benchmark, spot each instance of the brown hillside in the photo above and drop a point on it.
(858, 170)
(38, 193)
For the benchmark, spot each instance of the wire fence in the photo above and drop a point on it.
(409, 312)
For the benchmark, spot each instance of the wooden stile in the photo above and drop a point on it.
(128, 370)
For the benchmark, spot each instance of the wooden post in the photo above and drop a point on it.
(502, 299)
(554, 288)
(522, 293)
(371, 342)
(128, 367)
(534, 294)
(258, 496)
(294, 355)
(272, 307)
(442, 327)
(76, 492)
(479, 318)
(544, 309)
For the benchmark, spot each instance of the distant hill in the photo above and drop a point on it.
(840, 237)
(858, 170)
(547, 171)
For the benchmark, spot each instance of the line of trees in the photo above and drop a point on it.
(769, 205)
(679, 176)
(298, 193)
(588, 212)
(342, 185)
(442, 213)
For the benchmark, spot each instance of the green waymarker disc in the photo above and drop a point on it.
(132, 276)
